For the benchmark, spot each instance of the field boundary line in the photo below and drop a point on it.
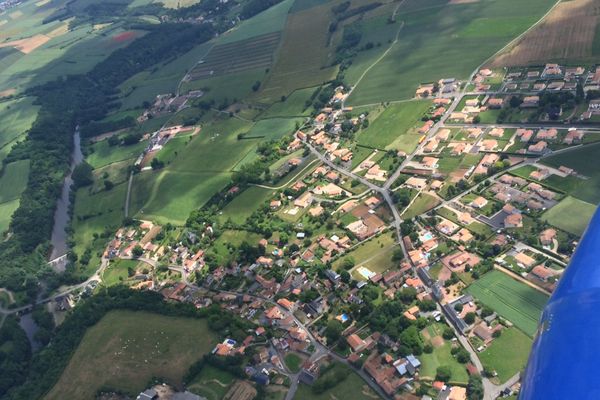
(522, 280)
(516, 40)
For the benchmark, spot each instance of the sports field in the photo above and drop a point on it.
(571, 215)
(394, 127)
(513, 300)
(507, 354)
(126, 349)
(444, 40)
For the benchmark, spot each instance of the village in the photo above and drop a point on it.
(393, 260)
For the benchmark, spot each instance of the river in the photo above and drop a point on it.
(30, 327)
(61, 215)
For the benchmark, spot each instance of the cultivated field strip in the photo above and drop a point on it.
(511, 299)
(568, 33)
(238, 56)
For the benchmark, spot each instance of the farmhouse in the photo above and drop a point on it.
(430, 162)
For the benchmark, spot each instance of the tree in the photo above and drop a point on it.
(443, 373)
(462, 356)
(108, 185)
(348, 263)
(137, 251)
(515, 101)
(333, 331)
(398, 254)
(82, 175)
(256, 86)
(470, 318)
(475, 388)
(345, 276)
(448, 333)
(157, 164)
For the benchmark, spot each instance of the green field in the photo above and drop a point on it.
(304, 58)
(194, 176)
(12, 183)
(507, 354)
(293, 106)
(273, 128)
(571, 215)
(583, 160)
(243, 205)
(513, 300)
(212, 383)
(293, 362)
(442, 40)
(392, 129)
(117, 353)
(352, 387)
(101, 154)
(441, 356)
(17, 117)
(423, 203)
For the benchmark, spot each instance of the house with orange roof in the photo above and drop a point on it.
(497, 132)
(304, 200)
(539, 147)
(547, 237)
(287, 304)
(443, 134)
(430, 162)
(513, 221)
(416, 183)
(479, 202)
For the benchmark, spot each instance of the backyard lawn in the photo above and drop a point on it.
(507, 354)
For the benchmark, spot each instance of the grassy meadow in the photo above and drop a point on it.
(393, 128)
(571, 215)
(116, 353)
(444, 40)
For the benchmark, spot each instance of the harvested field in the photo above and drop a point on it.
(238, 56)
(566, 34)
(7, 92)
(27, 45)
